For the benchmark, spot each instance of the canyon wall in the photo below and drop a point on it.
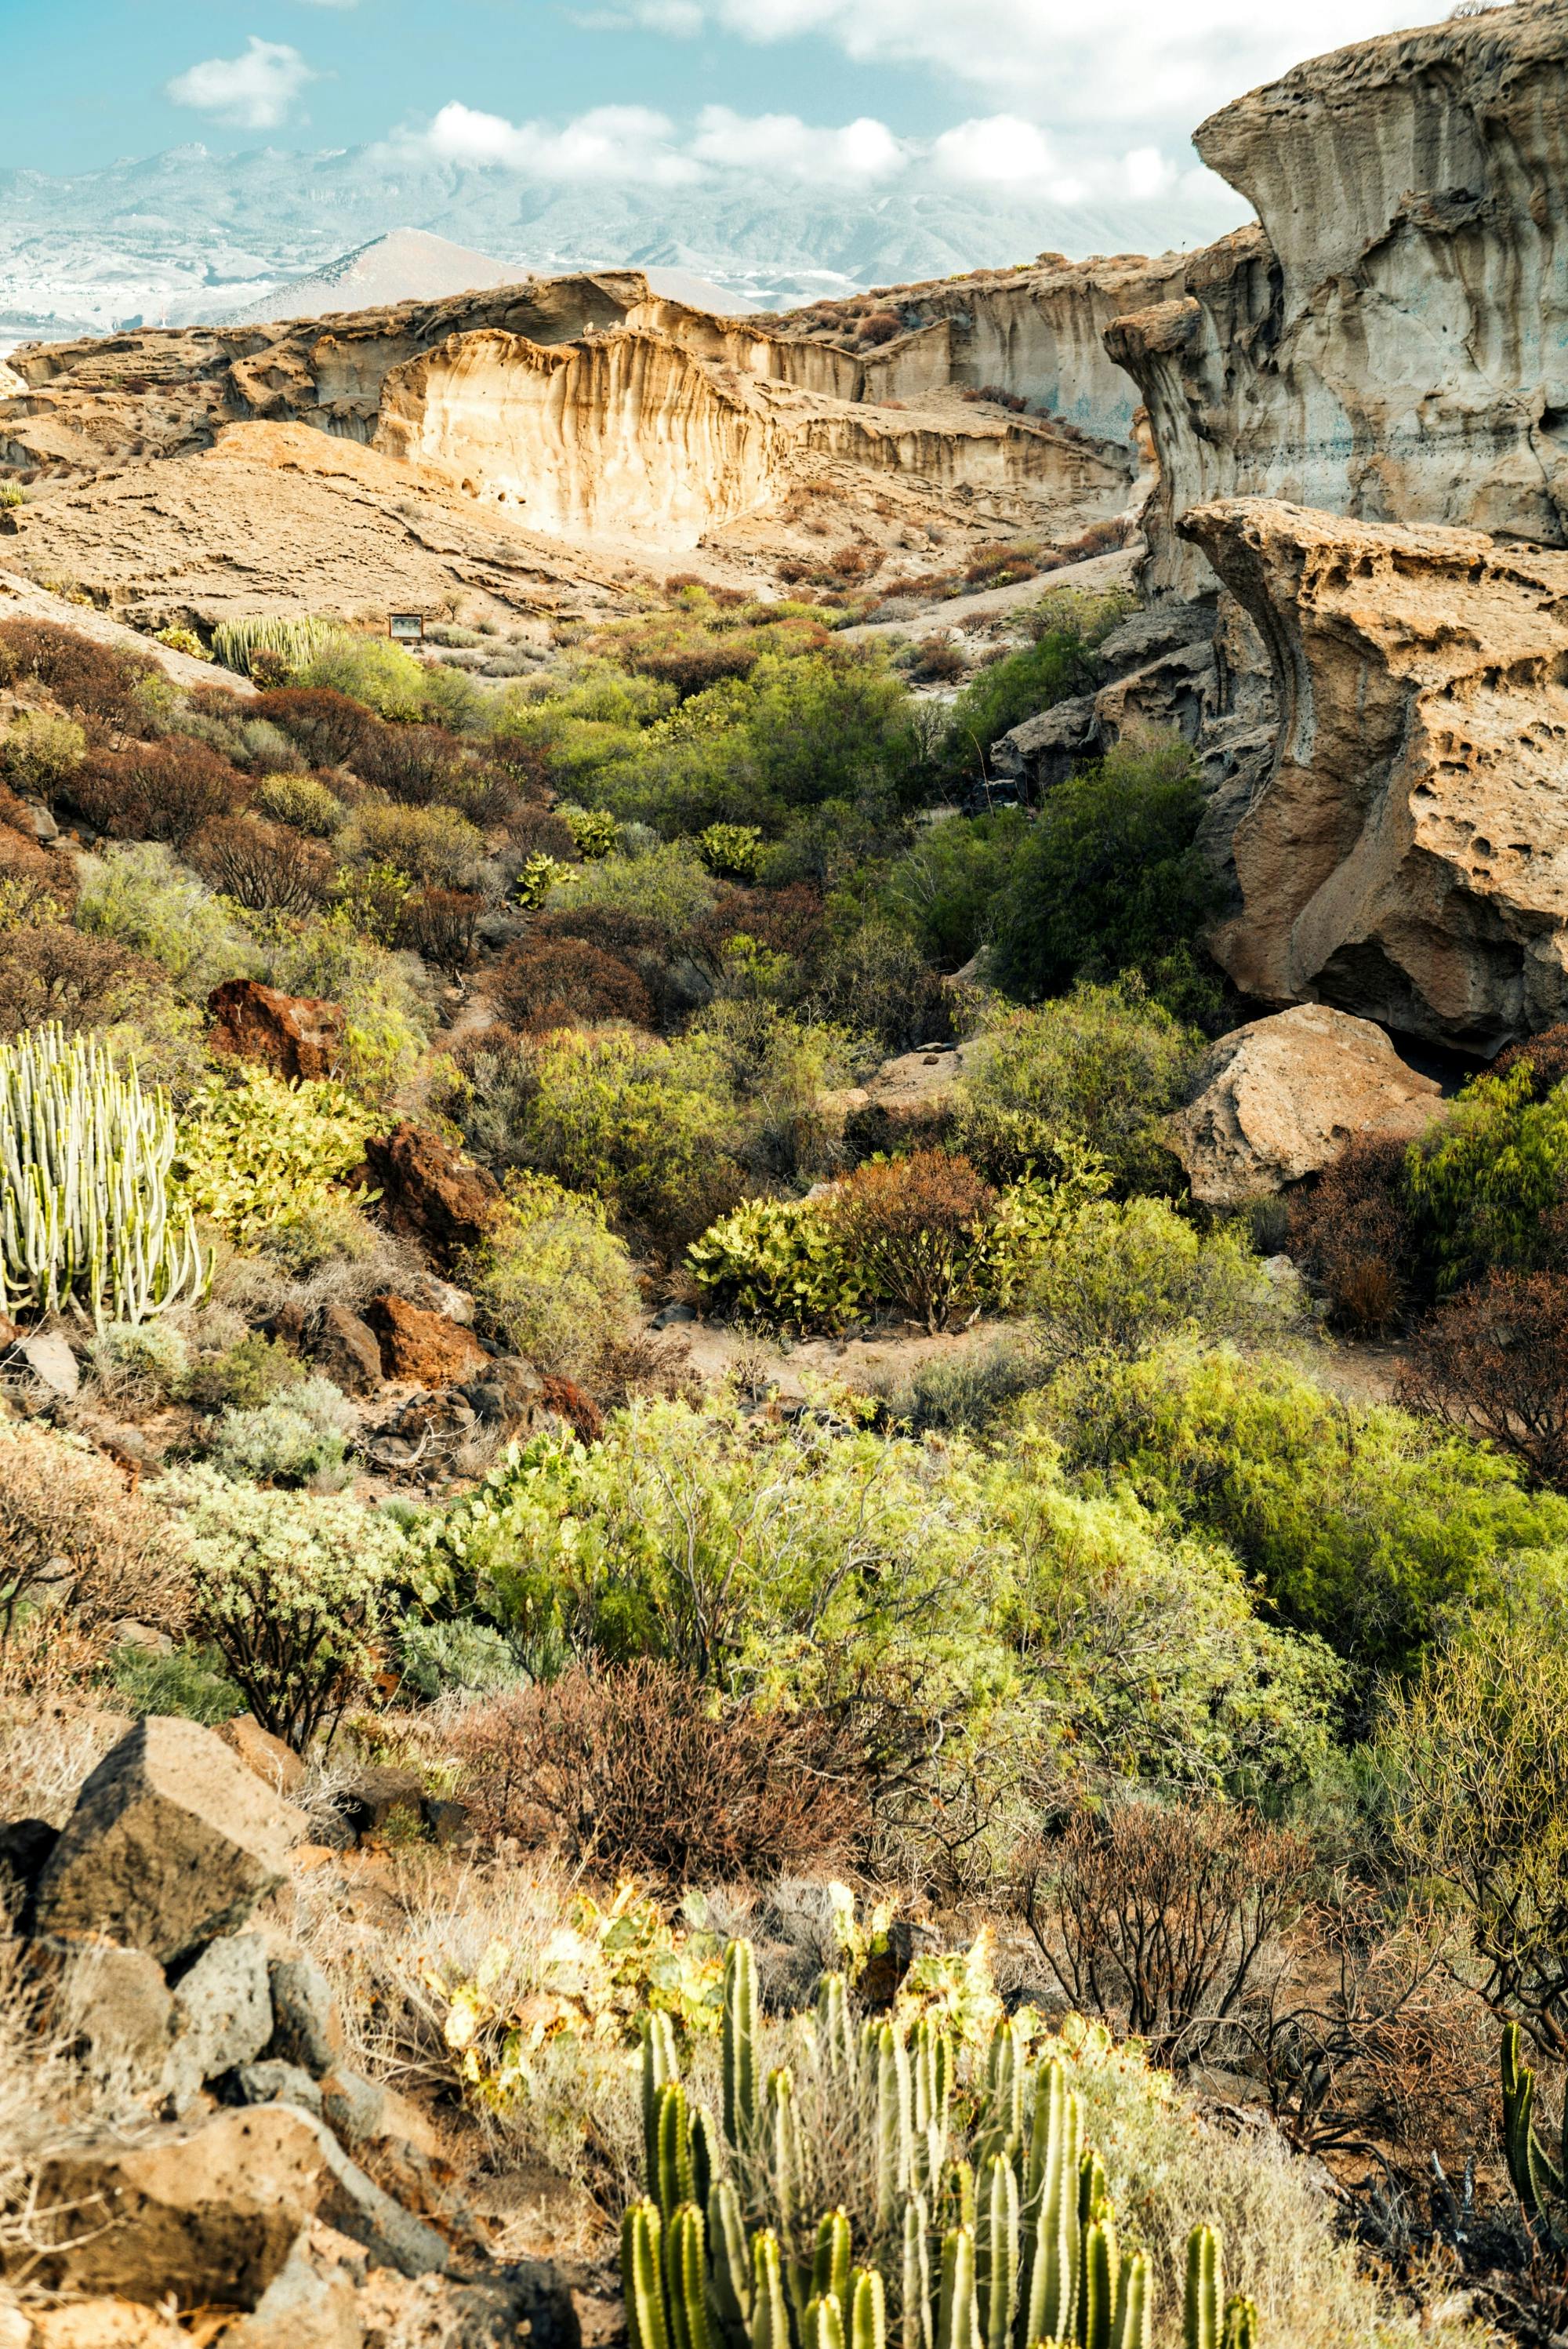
(1393, 343)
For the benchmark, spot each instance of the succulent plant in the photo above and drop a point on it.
(86, 1220)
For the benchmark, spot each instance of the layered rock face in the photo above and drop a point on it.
(1393, 343)
(1406, 853)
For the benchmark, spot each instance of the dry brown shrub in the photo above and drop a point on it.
(440, 924)
(1494, 1361)
(568, 1400)
(534, 831)
(49, 971)
(267, 867)
(1159, 1915)
(60, 1500)
(329, 728)
(92, 679)
(158, 791)
(415, 764)
(551, 982)
(881, 326)
(626, 1769)
(1547, 1055)
(1352, 1236)
(914, 1222)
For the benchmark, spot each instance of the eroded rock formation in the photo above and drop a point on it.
(1406, 855)
(1391, 342)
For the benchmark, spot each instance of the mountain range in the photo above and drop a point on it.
(188, 236)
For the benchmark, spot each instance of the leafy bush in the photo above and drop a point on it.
(302, 1436)
(1364, 1524)
(39, 753)
(731, 849)
(917, 1225)
(943, 891)
(1494, 1361)
(260, 1152)
(631, 1771)
(292, 1590)
(1109, 878)
(432, 844)
(669, 887)
(1059, 664)
(250, 1372)
(165, 790)
(643, 1125)
(1122, 1279)
(456, 1655)
(329, 728)
(1094, 1071)
(386, 1018)
(369, 670)
(594, 831)
(1483, 1185)
(553, 1282)
(873, 976)
(60, 1498)
(137, 896)
(303, 802)
(782, 1263)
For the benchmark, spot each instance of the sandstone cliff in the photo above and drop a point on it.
(1390, 343)
(1406, 853)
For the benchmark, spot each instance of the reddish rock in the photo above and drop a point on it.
(267, 1756)
(564, 1401)
(347, 1350)
(424, 1347)
(294, 1035)
(429, 1192)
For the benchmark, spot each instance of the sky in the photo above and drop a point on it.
(1068, 98)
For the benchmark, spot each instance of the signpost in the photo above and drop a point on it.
(406, 628)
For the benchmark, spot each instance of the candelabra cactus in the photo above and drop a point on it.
(1015, 2249)
(85, 1221)
(1538, 2179)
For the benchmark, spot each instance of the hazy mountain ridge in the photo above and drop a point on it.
(187, 236)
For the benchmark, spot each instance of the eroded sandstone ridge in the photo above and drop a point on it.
(1406, 852)
(1392, 342)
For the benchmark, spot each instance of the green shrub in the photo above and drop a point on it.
(1481, 1185)
(458, 1655)
(781, 1262)
(967, 1392)
(189, 1680)
(1109, 878)
(1362, 1524)
(594, 831)
(184, 640)
(431, 844)
(305, 801)
(872, 976)
(1094, 1071)
(301, 1436)
(670, 887)
(260, 1152)
(1122, 1279)
(293, 1590)
(37, 753)
(731, 849)
(388, 1018)
(149, 1356)
(553, 1283)
(245, 1374)
(368, 669)
(137, 894)
(943, 891)
(1059, 664)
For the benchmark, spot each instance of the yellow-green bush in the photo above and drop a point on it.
(37, 753)
(305, 801)
(553, 1283)
(434, 846)
(261, 1152)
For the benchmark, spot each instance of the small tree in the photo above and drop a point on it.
(1494, 1359)
(916, 1225)
(291, 1590)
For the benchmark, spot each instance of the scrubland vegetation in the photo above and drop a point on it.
(1192, 1737)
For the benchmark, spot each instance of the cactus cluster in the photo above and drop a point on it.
(1014, 2246)
(86, 1220)
(290, 643)
(1539, 2180)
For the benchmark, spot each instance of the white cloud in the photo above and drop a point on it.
(782, 147)
(1123, 60)
(1000, 152)
(255, 90)
(629, 143)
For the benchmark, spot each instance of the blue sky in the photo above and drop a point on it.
(1072, 100)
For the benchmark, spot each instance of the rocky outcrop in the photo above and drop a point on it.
(292, 1035)
(431, 1194)
(1406, 853)
(1389, 343)
(423, 1346)
(1282, 1097)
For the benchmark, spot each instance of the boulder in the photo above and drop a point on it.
(307, 2028)
(1282, 1096)
(49, 1357)
(223, 2012)
(116, 2002)
(301, 2308)
(429, 1194)
(423, 1347)
(25, 1847)
(277, 1763)
(172, 1841)
(293, 1035)
(98, 2323)
(209, 2216)
(346, 1348)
